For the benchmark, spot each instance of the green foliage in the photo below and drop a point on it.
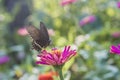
(93, 40)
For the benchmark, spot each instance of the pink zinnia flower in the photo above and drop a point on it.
(115, 49)
(67, 2)
(22, 32)
(86, 20)
(56, 56)
(118, 4)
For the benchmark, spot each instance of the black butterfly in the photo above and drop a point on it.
(40, 36)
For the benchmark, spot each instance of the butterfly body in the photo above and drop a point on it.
(40, 36)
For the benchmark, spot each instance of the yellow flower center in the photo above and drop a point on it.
(56, 51)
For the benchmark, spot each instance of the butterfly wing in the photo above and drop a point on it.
(34, 33)
(36, 46)
(40, 36)
(44, 37)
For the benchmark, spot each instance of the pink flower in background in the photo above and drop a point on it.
(4, 59)
(67, 2)
(115, 49)
(116, 34)
(56, 56)
(118, 4)
(86, 20)
(51, 32)
(22, 32)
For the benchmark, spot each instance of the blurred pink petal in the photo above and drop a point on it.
(86, 20)
(115, 49)
(4, 59)
(116, 34)
(22, 32)
(51, 32)
(67, 2)
(118, 4)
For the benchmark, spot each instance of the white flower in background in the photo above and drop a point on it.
(81, 38)
(2, 17)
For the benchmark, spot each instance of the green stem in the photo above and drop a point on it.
(60, 75)
(59, 70)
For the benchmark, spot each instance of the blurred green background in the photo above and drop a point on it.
(89, 26)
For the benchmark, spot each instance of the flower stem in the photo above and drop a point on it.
(60, 75)
(59, 70)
